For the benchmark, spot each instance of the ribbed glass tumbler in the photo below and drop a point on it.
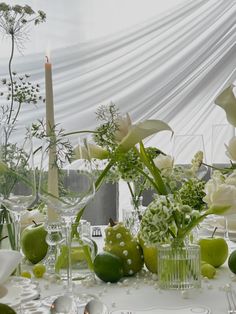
(179, 266)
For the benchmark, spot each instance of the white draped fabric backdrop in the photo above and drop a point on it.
(163, 61)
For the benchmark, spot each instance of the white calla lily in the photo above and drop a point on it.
(164, 162)
(231, 149)
(227, 101)
(124, 125)
(140, 131)
(95, 152)
(221, 197)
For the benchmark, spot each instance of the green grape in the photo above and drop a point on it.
(39, 270)
(25, 274)
(208, 271)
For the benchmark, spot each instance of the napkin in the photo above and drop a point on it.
(9, 260)
(180, 310)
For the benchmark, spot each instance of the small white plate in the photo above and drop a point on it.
(19, 290)
(179, 310)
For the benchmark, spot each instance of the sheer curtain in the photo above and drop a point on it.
(154, 62)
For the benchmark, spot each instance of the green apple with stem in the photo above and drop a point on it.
(33, 242)
(214, 251)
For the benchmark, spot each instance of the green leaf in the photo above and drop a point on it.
(227, 101)
(141, 130)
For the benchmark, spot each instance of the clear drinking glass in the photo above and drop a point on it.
(185, 147)
(221, 135)
(76, 187)
(17, 173)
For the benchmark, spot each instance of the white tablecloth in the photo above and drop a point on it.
(142, 292)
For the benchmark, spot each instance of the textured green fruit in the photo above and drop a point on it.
(232, 262)
(108, 267)
(120, 242)
(5, 309)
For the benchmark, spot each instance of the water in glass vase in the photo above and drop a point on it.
(82, 254)
(179, 266)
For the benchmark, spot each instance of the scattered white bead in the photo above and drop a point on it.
(110, 242)
(126, 282)
(131, 272)
(46, 286)
(156, 286)
(108, 283)
(233, 277)
(118, 236)
(154, 277)
(137, 247)
(129, 261)
(122, 243)
(109, 233)
(125, 252)
(184, 294)
(52, 279)
(64, 286)
(119, 283)
(205, 279)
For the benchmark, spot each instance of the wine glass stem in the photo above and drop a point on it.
(17, 239)
(69, 269)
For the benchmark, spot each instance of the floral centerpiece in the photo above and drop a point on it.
(181, 200)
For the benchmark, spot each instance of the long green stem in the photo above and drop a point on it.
(10, 74)
(153, 170)
(98, 184)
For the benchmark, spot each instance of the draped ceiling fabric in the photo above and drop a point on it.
(170, 66)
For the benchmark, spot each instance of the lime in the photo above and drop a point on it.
(208, 271)
(4, 308)
(232, 262)
(108, 267)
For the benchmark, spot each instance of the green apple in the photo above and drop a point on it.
(214, 251)
(33, 243)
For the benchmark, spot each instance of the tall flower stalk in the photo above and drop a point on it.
(17, 89)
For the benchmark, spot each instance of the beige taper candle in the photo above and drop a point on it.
(50, 124)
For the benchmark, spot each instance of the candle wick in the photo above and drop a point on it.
(47, 59)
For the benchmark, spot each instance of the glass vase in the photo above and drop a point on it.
(179, 265)
(82, 253)
(132, 215)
